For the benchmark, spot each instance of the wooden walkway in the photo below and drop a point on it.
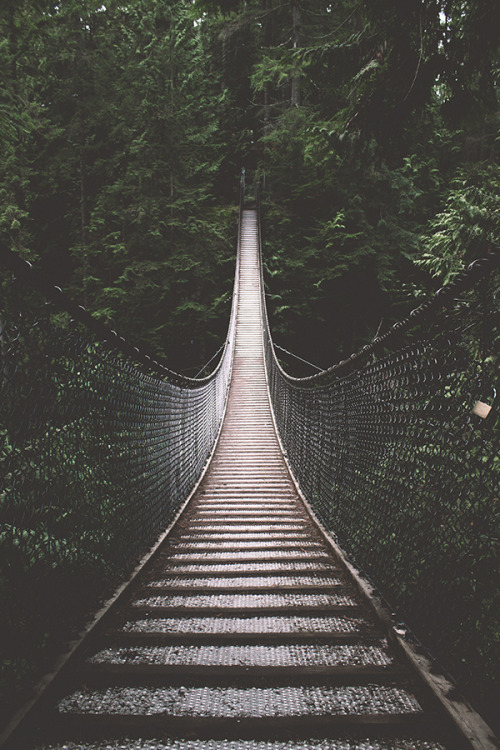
(245, 632)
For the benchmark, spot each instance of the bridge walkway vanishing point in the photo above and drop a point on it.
(245, 630)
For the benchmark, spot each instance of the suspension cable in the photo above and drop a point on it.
(211, 359)
(441, 299)
(24, 270)
(276, 346)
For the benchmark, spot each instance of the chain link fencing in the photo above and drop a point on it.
(397, 451)
(99, 447)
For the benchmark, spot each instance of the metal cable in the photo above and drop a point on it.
(295, 356)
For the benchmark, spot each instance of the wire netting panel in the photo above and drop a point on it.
(399, 459)
(96, 456)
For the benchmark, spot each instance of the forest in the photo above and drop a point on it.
(373, 127)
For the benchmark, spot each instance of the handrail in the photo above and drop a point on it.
(442, 298)
(100, 445)
(24, 270)
(398, 458)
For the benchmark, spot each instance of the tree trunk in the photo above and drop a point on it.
(296, 16)
(267, 43)
(83, 202)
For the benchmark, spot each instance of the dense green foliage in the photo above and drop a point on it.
(111, 121)
(124, 127)
(393, 138)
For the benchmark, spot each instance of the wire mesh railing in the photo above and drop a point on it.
(396, 450)
(99, 447)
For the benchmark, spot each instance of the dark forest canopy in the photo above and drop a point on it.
(124, 126)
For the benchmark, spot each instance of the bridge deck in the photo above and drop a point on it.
(246, 633)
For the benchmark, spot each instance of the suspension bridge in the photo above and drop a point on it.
(245, 626)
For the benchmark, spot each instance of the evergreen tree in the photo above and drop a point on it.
(112, 152)
(357, 172)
